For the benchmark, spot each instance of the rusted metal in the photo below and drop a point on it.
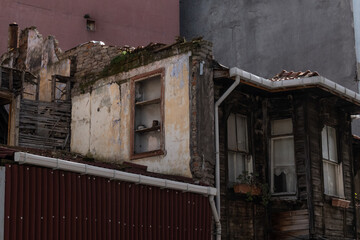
(42, 203)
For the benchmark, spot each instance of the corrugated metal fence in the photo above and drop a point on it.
(41, 203)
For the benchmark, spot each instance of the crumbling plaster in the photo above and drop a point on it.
(101, 119)
(39, 56)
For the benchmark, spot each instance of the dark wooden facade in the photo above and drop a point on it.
(309, 213)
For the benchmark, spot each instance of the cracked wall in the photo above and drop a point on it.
(101, 119)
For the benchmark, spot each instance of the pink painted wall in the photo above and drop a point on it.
(118, 22)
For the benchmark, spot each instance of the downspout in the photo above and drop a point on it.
(216, 218)
(217, 148)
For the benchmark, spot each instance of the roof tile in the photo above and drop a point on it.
(285, 75)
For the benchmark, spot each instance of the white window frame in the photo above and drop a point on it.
(339, 182)
(248, 162)
(274, 137)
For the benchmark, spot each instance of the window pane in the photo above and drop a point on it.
(325, 153)
(236, 165)
(284, 174)
(241, 129)
(284, 179)
(330, 178)
(283, 126)
(332, 144)
(283, 152)
(231, 132)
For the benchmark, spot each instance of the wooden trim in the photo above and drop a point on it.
(9, 123)
(144, 76)
(146, 154)
(11, 79)
(148, 102)
(307, 163)
(133, 80)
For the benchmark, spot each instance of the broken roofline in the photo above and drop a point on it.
(298, 83)
(27, 158)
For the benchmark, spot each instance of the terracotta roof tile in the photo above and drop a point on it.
(285, 75)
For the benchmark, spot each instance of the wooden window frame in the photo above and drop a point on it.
(340, 188)
(248, 159)
(142, 77)
(274, 137)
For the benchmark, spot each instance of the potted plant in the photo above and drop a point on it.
(247, 184)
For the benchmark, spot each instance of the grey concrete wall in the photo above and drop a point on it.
(356, 9)
(267, 36)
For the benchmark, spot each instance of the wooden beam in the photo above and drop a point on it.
(68, 90)
(37, 89)
(53, 88)
(22, 83)
(11, 79)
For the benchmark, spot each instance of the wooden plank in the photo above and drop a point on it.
(11, 79)
(37, 89)
(44, 124)
(53, 88)
(22, 83)
(293, 227)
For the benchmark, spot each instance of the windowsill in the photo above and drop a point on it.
(330, 197)
(284, 196)
(147, 154)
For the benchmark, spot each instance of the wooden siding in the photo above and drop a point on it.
(290, 224)
(44, 125)
(331, 222)
(240, 219)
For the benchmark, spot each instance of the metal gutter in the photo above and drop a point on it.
(317, 81)
(27, 158)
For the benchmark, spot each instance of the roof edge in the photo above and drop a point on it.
(317, 81)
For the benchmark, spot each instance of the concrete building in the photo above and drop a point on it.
(265, 37)
(115, 22)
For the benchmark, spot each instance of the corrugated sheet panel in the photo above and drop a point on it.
(42, 203)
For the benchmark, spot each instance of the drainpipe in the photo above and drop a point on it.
(217, 148)
(216, 218)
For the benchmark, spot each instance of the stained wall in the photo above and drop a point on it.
(101, 118)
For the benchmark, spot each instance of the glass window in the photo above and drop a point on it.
(282, 157)
(239, 160)
(332, 169)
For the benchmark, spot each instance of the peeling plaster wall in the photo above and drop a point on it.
(61, 68)
(39, 56)
(101, 119)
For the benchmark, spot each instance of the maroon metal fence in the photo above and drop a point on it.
(42, 203)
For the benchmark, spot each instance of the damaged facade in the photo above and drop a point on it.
(155, 106)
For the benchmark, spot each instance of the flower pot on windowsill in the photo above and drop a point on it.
(247, 189)
(338, 202)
